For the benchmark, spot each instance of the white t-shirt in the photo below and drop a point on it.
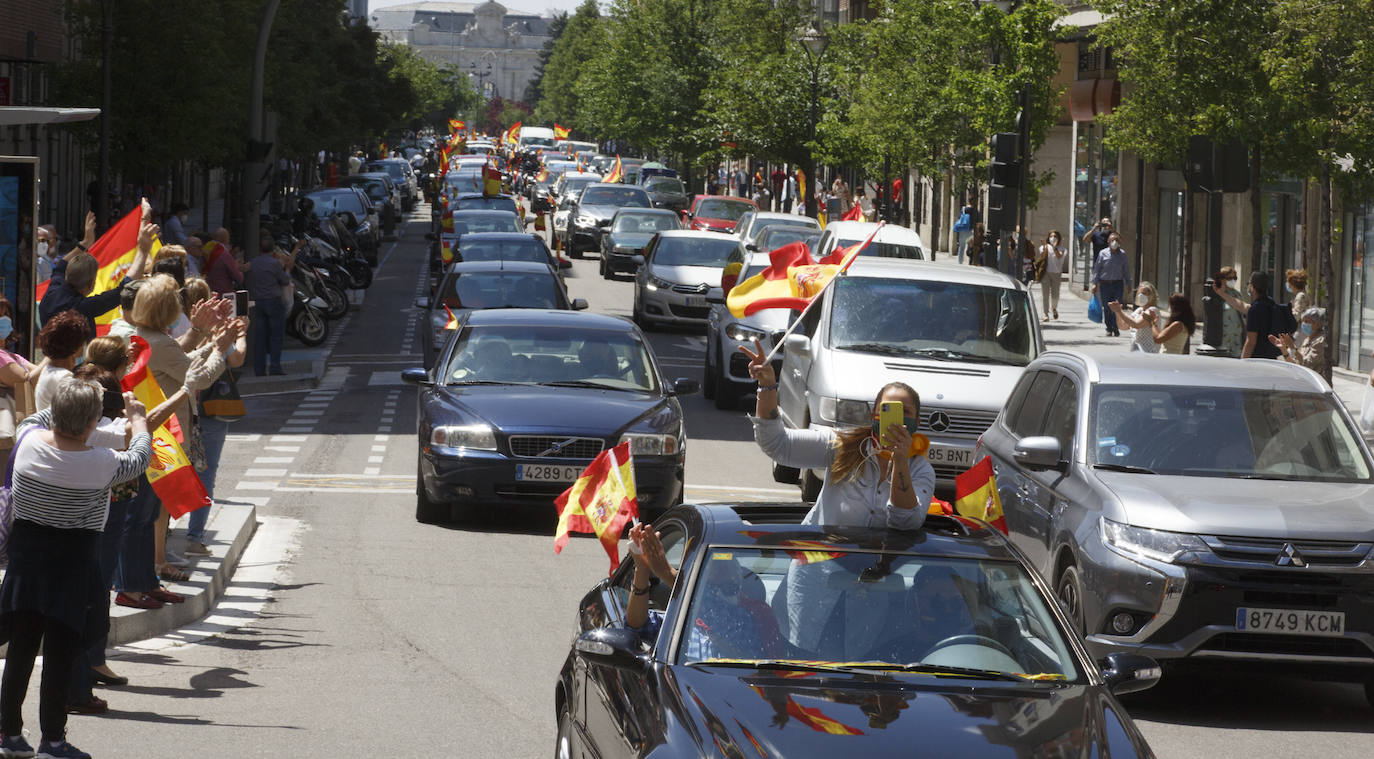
(180, 327)
(46, 388)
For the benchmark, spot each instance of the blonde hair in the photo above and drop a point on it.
(1150, 292)
(157, 304)
(196, 290)
(849, 443)
(108, 352)
(168, 251)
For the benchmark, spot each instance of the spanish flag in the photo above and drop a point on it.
(446, 250)
(975, 495)
(855, 213)
(600, 502)
(114, 253)
(513, 134)
(811, 717)
(617, 173)
(791, 280)
(560, 132)
(491, 180)
(455, 126)
(452, 322)
(543, 175)
(173, 478)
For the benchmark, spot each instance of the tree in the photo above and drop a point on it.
(440, 91)
(534, 91)
(572, 54)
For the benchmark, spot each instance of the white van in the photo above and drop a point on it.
(536, 137)
(961, 336)
(893, 240)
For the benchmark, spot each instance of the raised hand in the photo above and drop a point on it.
(759, 368)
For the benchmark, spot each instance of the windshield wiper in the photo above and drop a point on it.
(980, 674)
(581, 383)
(1125, 468)
(789, 664)
(890, 350)
(954, 355)
(482, 382)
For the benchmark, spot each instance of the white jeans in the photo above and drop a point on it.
(1049, 291)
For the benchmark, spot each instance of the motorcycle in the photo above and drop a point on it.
(306, 321)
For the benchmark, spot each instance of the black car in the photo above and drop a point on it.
(469, 222)
(520, 401)
(403, 174)
(354, 205)
(490, 283)
(593, 211)
(630, 231)
(785, 640)
(666, 192)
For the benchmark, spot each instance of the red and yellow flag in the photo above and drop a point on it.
(170, 473)
(791, 280)
(855, 213)
(452, 322)
(975, 495)
(446, 250)
(114, 253)
(513, 134)
(560, 132)
(455, 126)
(491, 180)
(617, 172)
(543, 175)
(600, 502)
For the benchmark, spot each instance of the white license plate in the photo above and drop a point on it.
(696, 301)
(1291, 621)
(950, 455)
(546, 472)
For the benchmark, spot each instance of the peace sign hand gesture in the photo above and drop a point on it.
(759, 368)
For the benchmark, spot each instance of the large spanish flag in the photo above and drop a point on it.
(791, 280)
(560, 132)
(114, 252)
(600, 502)
(455, 126)
(855, 213)
(975, 495)
(513, 134)
(616, 174)
(491, 180)
(170, 473)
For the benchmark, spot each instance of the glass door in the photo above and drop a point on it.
(1170, 247)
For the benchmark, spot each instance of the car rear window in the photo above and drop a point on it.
(615, 196)
(500, 289)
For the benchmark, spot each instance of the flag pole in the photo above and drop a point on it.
(844, 268)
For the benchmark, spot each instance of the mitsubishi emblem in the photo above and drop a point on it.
(1289, 557)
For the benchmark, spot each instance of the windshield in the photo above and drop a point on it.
(780, 236)
(526, 354)
(485, 222)
(540, 142)
(373, 187)
(693, 251)
(644, 223)
(1225, 432)
(932, 319)
(665, 185)
(723, 209)
(503, 250)
(499, 289)
(884, 249)
(800, 223)
(396, 170)
(338, 201)
(573, 186)
(465, 181)
(851, 607)
(480, 203)
(614, 196)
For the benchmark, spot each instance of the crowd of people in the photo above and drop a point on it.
(86, 520)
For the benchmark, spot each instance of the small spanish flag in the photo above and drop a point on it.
(170, 472)
(617, 172)
(491, 180)
(543, 175)
(513, 134)
(560, 132)
(446, 251)
(600, 502)
(114, 253)
(818, 720)
(452, 322)
(975, 495)
(455, 126)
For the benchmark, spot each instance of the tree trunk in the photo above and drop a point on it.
(1328, 271)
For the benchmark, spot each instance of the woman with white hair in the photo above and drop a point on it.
(1312, 352)
(60, 495)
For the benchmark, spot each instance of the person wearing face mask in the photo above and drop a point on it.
(1140, 318)
(1111, 275)
(174, 233)
(1311, 352)
(1295, 284)
(1050, 263)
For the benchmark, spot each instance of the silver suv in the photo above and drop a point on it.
(959, 335)
(1191, 507)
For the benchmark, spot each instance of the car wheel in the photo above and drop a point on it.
(810, 486)
(638, 317)
(427, 511)
(563, 749)
(708, 376)
(1069, 590)
(573, 252)
(785, 474)
(601, 266)
(1369, 692)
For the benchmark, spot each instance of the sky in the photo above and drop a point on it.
(542, 7)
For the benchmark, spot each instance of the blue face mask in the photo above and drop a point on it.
(6, 327)
(1307, 328)
(911, 424)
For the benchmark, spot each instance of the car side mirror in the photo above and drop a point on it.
(415, 376)
(1129, 673)
(715, 301)
(684, 386)
(579, 304)
(751, 247)
(637, 259)
(617, 647)
(798, 344)
(422, 303)
(1038, 453)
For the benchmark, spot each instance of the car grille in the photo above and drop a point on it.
(689, 312)
(955, 422)
(955, 370)
(1268, 552)
(603, 222)
(1285, 645)
(947, 472)
(534, 446)
(691, 289)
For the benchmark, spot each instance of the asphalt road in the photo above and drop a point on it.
(352, 630)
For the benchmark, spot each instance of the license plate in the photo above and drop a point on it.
(950, 455)
(696, 301)
(546, 472)
(1291, 621)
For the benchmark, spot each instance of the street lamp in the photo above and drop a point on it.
(814, 42)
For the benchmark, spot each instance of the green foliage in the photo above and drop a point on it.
(579, 42)
(441, 92)
(534, 91)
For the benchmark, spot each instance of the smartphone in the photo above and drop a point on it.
(240, 303)
(889, 414)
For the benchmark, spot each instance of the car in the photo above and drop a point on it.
(959, 335)
(892, 241)
(666, 192)
(940, 641)
(772, 238)
(717, 213)
(465, 201)
(754, 222)
(564, 195)
(573, 147)
(629, 169)
(539, 189)
(630, 231)
(519, 402)
(505, 246)
(383, 193)
(364, 220)
(535, 137)
(1196, 511)
(725, 372)
(490, 283)
(468, 222)
(591, 215)
(679, 273)
(404, 176)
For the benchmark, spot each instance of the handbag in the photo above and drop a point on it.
(963, 223)
(195, 448)
(1095, 310)
(6, 504)
(222, 400)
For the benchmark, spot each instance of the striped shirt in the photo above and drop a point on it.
(82, 499)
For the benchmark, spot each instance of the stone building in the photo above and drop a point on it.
(497, 47)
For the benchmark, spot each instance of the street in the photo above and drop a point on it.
(350, 628)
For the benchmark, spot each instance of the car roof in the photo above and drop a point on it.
(766, 525)
(540, 317)
(500, 236)
(613, 184)
(903, 268)
(646, 211)
(467, 195)
(463, 212)
(581, 175)
(696, 234)
(795, 219)
(529, 267)
(860, 230)
(388, 160)
(745, 201)
(1187, 370)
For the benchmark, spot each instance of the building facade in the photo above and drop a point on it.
(496, 47)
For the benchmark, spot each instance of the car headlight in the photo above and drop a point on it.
(365, 227)
(477, 437)
(841, 411)
(744, 334)
(655, 283)
(585, 221)
(645, 444)
(1160, 545)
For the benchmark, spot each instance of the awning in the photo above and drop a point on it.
(1080, 20)
(22, 115)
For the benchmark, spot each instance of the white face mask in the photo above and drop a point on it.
(1141, 299)
(43, 249)
(1288, 287)
(1054, 240)
(1116, 245)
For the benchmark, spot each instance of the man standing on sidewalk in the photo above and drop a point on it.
(1111, 275)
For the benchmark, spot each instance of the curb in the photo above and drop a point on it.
(230, 530)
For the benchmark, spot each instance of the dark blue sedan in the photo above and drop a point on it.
(520, 401)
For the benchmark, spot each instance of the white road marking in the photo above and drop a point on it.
(379, 449)
(283, 448)
(368, 491)
(252, 500)
(731, 489)
(242, 438)
(308, 476)
(380, 438)
(288, 438)
(308, 412)
(258, 472)
(274, 459)
(372, 470)
(255, 486)
(375, 459)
